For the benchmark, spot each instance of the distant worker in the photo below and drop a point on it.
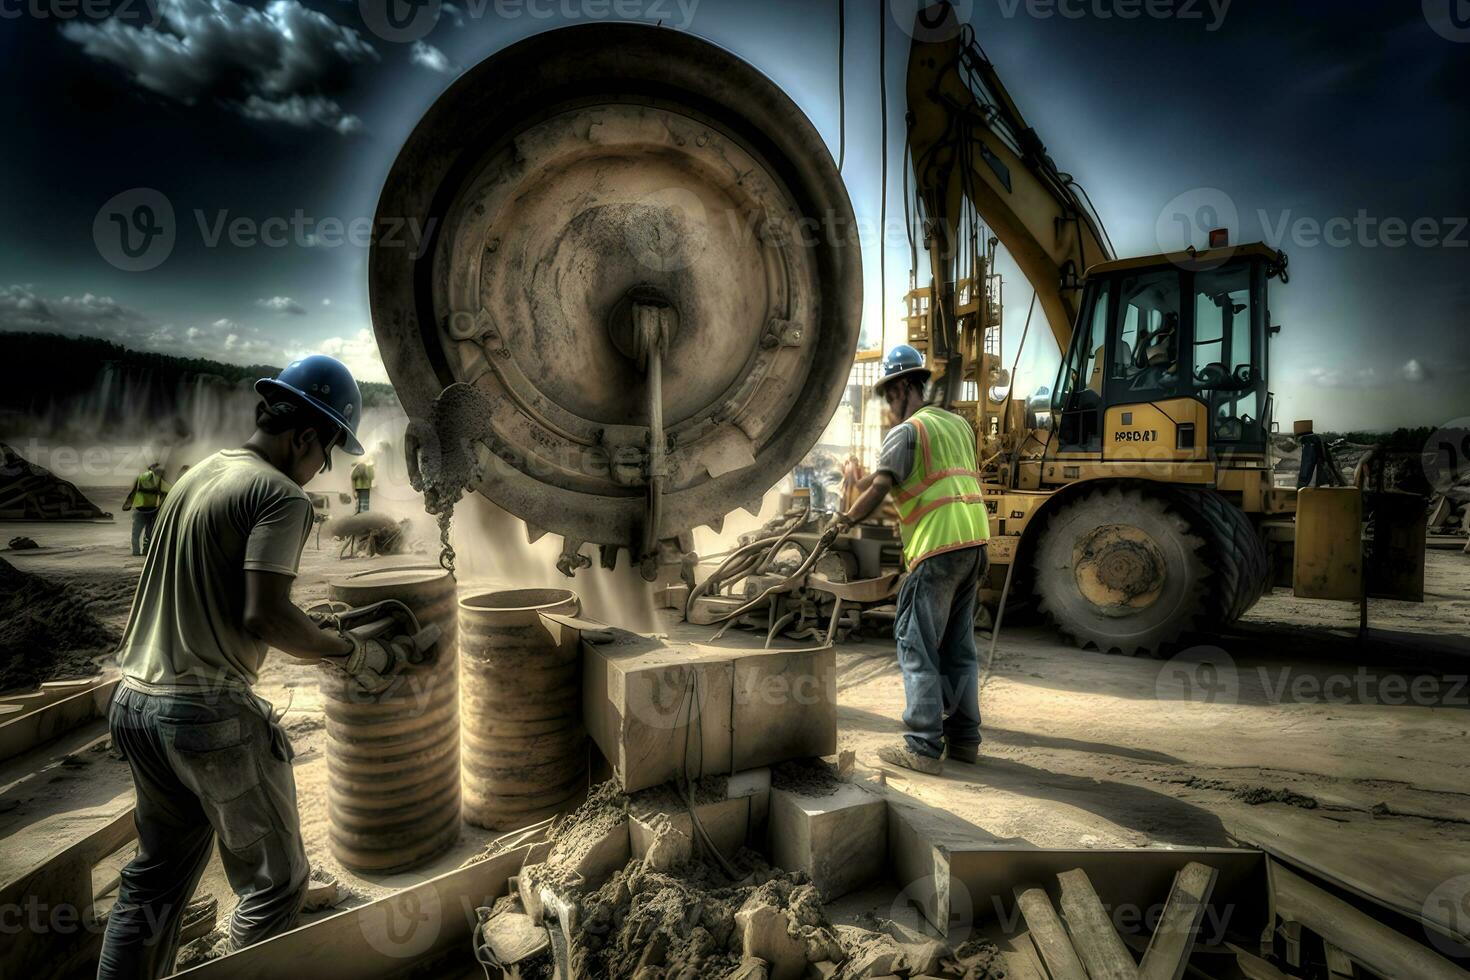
(144, 498)
(1318, 468)
(207, 756)
(928, 462)
(362, 483)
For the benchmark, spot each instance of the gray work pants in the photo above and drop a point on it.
(935, 630)
(203, 766)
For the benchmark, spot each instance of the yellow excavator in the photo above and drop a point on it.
(1136, 502)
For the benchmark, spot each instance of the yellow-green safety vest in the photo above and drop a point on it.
(362, 476)
(940, 505)
(148, 491)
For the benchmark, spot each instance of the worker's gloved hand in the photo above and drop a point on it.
(375, 663)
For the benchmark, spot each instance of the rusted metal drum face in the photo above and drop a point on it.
(393, 789)
(525, 749)
(572, 171)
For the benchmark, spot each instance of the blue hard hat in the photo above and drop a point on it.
(325, 384)
(901, 362)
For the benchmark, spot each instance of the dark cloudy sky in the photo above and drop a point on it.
(1337, 131)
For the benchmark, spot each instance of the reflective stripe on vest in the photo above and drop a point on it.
(940, 505)
(146, 491)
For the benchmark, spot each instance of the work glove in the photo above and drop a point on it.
(374, 664)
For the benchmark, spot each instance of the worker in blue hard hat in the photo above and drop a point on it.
(209, 758)
(928, 464)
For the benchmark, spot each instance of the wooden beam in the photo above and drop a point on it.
(1094, 938)
(1168, 950)
(34, 728)
(1048, 934)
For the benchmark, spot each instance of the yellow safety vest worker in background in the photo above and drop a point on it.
(148, 491)
(940, 506)
(362, 476)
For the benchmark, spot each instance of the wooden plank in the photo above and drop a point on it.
(423, 930)
(1168, 950)
(1094, 938)
(38, 727)
(59, 890)
(1339, 964)
(1048, 934)
(50, 692)
(1382, 949)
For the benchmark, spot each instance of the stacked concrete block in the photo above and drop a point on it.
(838, 836)
(659, 711)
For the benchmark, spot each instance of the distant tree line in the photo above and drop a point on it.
(47, 369)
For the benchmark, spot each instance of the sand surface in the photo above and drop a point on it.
(1289, 735)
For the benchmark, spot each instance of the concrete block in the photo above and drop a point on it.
(840, 839)
(785, 706)
(658, 710)
(660, 814)
(765, 935)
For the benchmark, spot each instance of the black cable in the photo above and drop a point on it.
(841, 83)
(883, 193)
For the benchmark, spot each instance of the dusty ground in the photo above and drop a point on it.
(1350, 757)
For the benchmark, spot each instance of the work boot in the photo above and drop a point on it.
(904, 757)
(968, 754)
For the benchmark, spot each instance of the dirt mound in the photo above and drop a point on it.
(33, 493)
(47, 631)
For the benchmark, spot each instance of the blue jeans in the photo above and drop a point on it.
(935, 630)
(203, 766)
(363, 496)
(143, 521)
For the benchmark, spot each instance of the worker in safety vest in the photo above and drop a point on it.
(362, 483)
(145, 496)
(209, 758)
(928, 464)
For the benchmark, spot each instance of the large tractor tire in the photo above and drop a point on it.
(1131, 568)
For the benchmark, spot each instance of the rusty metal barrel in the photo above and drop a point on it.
(525, 748)
(393, 796)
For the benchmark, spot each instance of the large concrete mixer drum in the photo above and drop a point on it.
(643, 270)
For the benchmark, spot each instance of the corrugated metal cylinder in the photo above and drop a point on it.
(393, 795)
(525, 749)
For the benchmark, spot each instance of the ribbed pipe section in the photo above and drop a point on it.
(525, 748)
(393, 787)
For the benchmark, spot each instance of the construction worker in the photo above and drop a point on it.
(208, 757)
(928, 463)
(145, 496)
(362, 483)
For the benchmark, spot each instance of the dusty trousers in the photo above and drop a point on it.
(203, 766)
(935, 631)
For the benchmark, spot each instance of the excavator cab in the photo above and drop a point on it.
(1169, 359)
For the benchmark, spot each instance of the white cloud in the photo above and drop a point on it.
(427, 56)
(359, 352)
(1340, 378)
(280, 63)
(282, 305)
(90, 315)
(327, 302)
(1414, 372)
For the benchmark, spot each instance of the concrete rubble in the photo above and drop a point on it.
(627, 887)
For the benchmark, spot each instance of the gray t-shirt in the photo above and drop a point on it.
(186, 631)
(897, 455)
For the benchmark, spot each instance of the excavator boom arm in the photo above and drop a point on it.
(968, 142)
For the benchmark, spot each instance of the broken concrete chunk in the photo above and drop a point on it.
(751, 968)
(764, 935)
(513, 937)
(840, 839)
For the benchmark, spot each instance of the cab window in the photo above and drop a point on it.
(1145, 355)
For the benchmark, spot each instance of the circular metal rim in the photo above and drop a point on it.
(549, 73)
